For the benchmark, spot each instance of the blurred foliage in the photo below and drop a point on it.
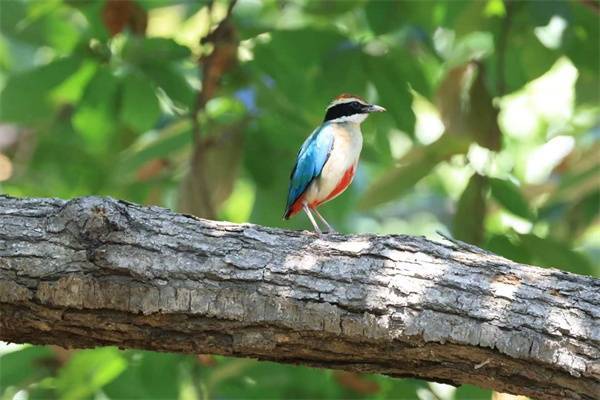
(491, 133)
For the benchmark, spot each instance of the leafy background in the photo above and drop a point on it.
(491, 136)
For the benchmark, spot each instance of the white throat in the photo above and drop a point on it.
(354, 119)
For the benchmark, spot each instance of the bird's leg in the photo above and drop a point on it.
(329, 227)
(311, 218)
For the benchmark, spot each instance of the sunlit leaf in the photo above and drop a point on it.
(95, 117)
(71, 90)
(474, 46)
(89, 370)
(509, 196)
(468, 222)
(238, 206)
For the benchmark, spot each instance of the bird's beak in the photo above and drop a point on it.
(375, 108)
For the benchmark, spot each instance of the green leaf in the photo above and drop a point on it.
(582, 214)
(579, 38)
(71, 90)
(474, 46)
(413, 167)
(95, 117)
(149, 375)
(581, 46)
(172, 82)
(24, 366)
(552, 253)
(396, 182)
(580, 180)
(44, 23)
(468, 222)
(172, 138)
(92, 11)
(466, 106)
(239, 378)
(294, 62)
(509, 196)
(471, 18)
(254, 18)
(506, 247)
(352, 80)
(389, 16)
(190, 7)
(89, 370)
(12, 13)
(139, 105)
(526, 58)
(154, 50)
(393, 77)
(26, 96)
(383, 16)
(332, 8)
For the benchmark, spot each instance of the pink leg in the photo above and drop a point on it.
(311, 218)
(329, 227)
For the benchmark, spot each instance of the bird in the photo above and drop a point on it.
(328, 158)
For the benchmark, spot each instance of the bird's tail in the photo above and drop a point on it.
(293, 208)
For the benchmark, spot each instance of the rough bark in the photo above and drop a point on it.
(96, 271)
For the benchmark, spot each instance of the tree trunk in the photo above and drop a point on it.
(96, 271)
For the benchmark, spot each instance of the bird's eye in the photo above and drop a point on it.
(355, 104)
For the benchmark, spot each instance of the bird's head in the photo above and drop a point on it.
(349, 108)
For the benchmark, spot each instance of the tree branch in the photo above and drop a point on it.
(96, 271)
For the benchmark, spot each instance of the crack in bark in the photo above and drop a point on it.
(97, 271)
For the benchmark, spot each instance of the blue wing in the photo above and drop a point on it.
(309, 163)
